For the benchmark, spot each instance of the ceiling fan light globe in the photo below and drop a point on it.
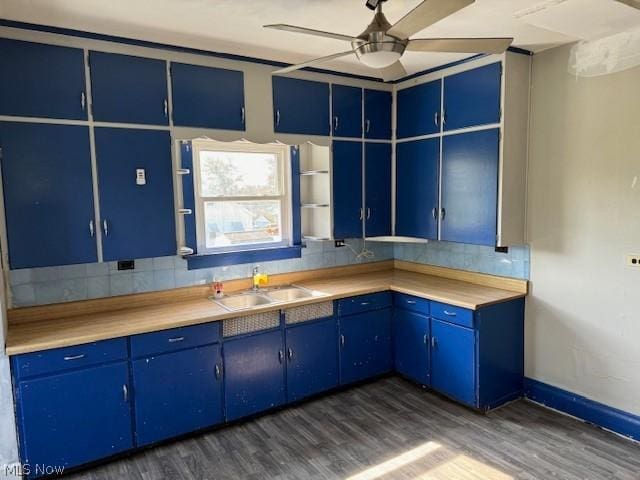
(379, 54)
(380, 59)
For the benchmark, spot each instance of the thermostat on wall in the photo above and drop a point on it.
(141, 178)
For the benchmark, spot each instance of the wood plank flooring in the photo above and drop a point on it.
(389, 429)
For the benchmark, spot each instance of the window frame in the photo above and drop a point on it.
(283, 157)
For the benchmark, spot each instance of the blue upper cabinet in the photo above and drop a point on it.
(419, 110)
(377, 114)
(48, 194)
(347, 111)
(138, 221)
(470, 187)
(207, 97)
(417, 188)
(377, 189)
(128, 89)
(300, 106)
(38, 80)
(348, 213)
(473, 97)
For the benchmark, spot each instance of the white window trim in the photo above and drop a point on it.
(283, 155)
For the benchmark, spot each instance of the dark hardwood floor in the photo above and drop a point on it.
(389, 429)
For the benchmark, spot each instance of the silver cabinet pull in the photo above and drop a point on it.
(364, 304)
(342, 340)
(426, 339)
(166, 107)
(280, 356)
(74, 357)
(176, 339)
(367, 126)
(92, 230)
(433, 342)
(434, 212)
(411, 302)
(435, 119)
(451, 314)
(242, 115)
(289, 353)
(443, 213)
(361, 213)
(105, 228)
(444, 117)
(368, 213)
(125, 393)
(83, 101)
(183, 171)
(336, 122)
(217, 371)
(277, 117)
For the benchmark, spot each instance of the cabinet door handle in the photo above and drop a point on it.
(280, 356)
(411, 302)
(176, 339)
(217, 371)
(451, 314)
(367, 126)
(166, 108)
(342, 340)
(277, 117)
(83, 101)
(242, 115)
(125, 393)
(444, 117)
(92, 230)
(74, 357)
(361, 213)
(435, 119)
(368, 213)
(364, 304)
(426, 339)
(289, 353)
(433, 342)
(105, 228)
(443, 213)
(336, 122)
(434, 212)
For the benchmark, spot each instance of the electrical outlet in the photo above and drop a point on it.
(633, 260)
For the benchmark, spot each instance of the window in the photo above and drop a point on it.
(242, 196)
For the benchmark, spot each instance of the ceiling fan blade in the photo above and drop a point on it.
(311, 62)
(425, 14)
(393, 72)
(311, 31)
(459, 45)
(631, 3)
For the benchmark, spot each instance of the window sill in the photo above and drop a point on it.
(196, 262)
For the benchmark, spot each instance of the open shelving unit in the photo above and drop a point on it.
(315, 192)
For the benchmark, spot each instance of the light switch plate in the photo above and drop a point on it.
(633, 260)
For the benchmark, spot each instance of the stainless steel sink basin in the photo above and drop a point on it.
(288, 294)
(243, 301)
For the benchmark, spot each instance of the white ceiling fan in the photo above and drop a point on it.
(381, 45)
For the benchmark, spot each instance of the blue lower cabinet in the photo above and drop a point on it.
(365, 345)
(254, 374)
(312, 358)
(177, 393)
(411, 345)
(453, 361)
(74, 418)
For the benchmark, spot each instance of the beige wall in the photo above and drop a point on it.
(583, 316)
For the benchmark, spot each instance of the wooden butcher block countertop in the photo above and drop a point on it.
(41, 328)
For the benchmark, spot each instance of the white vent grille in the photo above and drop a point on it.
(250, 323)
(308, 312)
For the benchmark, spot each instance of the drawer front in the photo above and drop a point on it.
(448, 313)
(174, 339)
(409, 302)
(364, 303)
(60, 359)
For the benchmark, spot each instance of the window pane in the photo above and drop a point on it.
(238, 174)
(241, 223)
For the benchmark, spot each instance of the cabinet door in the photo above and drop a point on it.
(207, 97)
(254, 374)
(347, 189)
(177, 393)
(377, 189)
(417, 188)
(472, 97)
(48, 194)
(377, 114)
(419, 109)
(138, 221)
(411, 342)
(38, 80)
(312, 353)
(365, 345)
(75, 418)
(470, 187)
(128, 89)
(347, 111)
(453, 361)
(300, 106)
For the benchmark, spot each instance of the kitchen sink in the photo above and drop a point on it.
(290, 293)
(249, 299)
(243, 301)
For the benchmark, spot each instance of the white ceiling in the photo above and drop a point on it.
(235, 26)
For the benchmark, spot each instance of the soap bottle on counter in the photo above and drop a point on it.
(218, 289)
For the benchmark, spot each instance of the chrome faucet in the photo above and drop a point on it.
(256, 284)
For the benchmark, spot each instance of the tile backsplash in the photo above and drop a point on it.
(39, 286)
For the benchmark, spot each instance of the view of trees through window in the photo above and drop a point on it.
(242, 196)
